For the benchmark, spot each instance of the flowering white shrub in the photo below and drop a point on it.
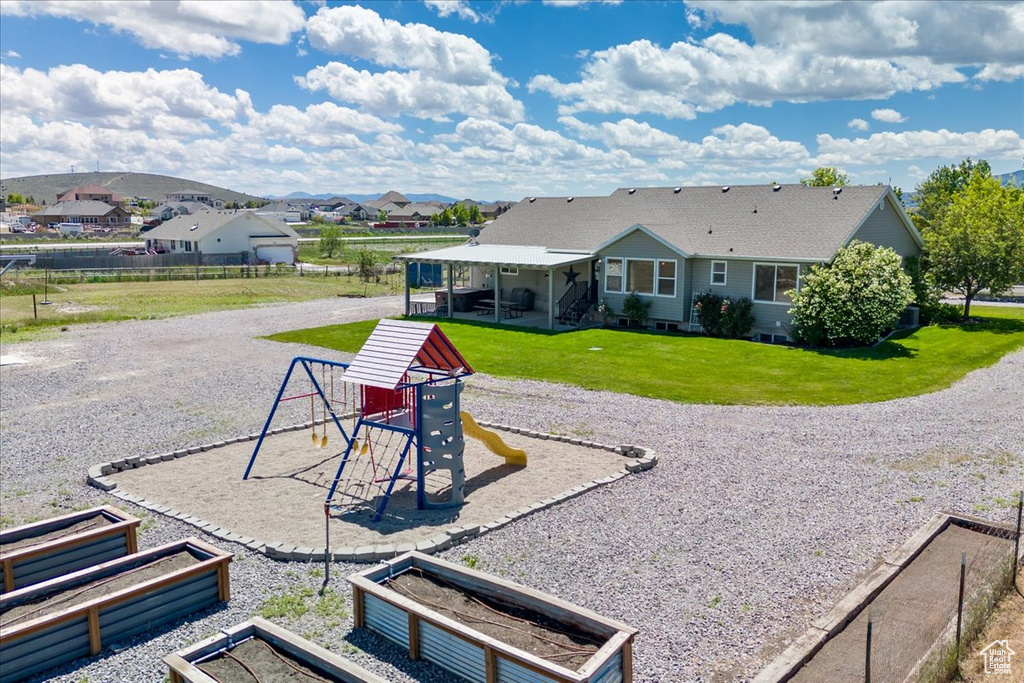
(854, 299)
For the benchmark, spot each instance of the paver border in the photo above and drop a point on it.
(823, 629)
(639, 459)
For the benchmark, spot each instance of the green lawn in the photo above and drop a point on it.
(694, 369)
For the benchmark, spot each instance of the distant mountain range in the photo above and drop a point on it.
(366, 197)
(1014, 177)
(45, 188)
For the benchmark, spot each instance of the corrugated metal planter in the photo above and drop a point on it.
(36, 641)
(56, 553)
(183, 664)
(471, 654)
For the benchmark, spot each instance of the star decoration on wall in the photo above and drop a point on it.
(570, 276)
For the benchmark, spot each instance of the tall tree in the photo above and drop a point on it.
(977, 242)
(936, 192)
(826, 176)
(382, 216)
(329, 240)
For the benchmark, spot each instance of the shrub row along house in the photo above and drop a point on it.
(669, 245)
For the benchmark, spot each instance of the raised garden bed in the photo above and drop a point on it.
(76, 615)
(259, 650)
(486, 629)
(36, 552)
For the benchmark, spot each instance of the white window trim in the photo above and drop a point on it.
(775, 284)
(622, 277)
(508, 270)
(658, 278)
(725, 274)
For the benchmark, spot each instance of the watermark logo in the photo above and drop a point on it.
(997, 657)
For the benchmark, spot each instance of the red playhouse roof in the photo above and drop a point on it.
(396, 346)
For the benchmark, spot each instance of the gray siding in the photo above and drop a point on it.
(885, 228)
(533, 280)
(740, 283)
(639, 245)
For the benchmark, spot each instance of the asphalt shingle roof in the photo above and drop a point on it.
(793, 222)
(206, 222)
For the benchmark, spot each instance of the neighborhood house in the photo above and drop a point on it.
(255, 238)
(669, 245)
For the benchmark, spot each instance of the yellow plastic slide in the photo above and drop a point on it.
(513, 456)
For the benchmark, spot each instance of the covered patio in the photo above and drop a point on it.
(506, 284)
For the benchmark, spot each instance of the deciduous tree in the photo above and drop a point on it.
(936, 192)
(977, 242)
(825, 176)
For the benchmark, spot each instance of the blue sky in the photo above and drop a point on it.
(508, 99)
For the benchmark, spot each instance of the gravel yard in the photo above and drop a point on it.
(754, 522)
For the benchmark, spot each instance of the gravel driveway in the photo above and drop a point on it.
(754, 522)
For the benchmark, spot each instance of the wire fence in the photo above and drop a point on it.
(922, 625)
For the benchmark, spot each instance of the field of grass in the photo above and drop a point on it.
(105, 302)
(694, 369)
(348, 253)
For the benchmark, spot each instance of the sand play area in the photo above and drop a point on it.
(283, 498)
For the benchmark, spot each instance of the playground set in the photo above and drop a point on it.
(402, 395)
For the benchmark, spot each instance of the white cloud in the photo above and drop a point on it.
(190, 28)
(888, 115)
(359, 32)
(1000, 72)
(888, 30)
(176, 103)
(919, 144)
(12, 54)
(687, 78)
(324, 125)
(391, 93)
(460, 8)
(801, 52)
(858, 124)
(442, 73)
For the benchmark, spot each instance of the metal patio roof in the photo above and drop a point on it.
(500, 255)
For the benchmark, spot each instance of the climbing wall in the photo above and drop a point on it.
(442, 442)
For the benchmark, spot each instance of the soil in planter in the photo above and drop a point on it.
(56, 602)
(90, 524)
(257, 661)
(554, 641)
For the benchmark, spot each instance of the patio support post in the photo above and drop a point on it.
(408, 276)
(497, 293)
(551, 298)
(451, 292)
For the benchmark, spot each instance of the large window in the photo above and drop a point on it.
(772, 281)
(719, 271)
(640, 276)
(666, 278)
(613, 275)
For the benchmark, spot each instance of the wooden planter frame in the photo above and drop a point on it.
(80, 630)
(470, 654)
(41, 561)
(183, 670)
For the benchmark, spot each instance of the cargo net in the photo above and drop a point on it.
(378, 459)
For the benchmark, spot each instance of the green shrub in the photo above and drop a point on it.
(636, 310)
(853, 300)
(724, 317)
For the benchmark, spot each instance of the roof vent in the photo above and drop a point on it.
(194, 227)
(755, 208)
(570, 199)
(709, 231)
(676, 190)
(776, 188)
(730, 248)
(632, 190)
(533, 199)
(725, 188)
(835, 192)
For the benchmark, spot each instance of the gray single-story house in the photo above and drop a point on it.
(257, 238)
(671, 244)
